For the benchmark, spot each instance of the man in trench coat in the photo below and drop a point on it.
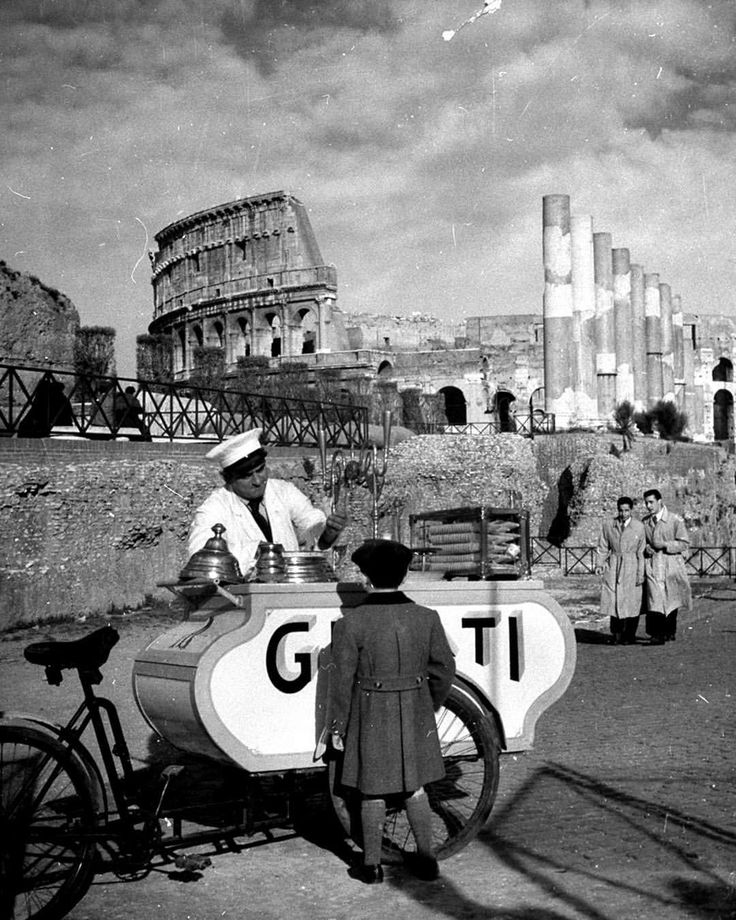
(620, 560)
(667, 584)
(392, 667)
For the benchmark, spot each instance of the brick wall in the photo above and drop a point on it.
(586, 473)
(92, 526)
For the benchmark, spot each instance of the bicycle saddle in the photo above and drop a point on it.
(85, 654)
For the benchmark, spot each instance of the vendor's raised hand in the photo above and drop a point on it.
(334, 526)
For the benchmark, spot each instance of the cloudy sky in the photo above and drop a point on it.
(423, 162)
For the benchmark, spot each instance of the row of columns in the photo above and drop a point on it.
(612, 332)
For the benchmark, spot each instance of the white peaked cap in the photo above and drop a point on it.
(237, 448)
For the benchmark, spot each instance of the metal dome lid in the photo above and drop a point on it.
(214, 562)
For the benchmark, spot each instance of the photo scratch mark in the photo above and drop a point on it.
(489, 6)
(143, 254)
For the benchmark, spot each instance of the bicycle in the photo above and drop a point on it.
(60, 810)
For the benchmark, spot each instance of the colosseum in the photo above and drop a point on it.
(248, 277)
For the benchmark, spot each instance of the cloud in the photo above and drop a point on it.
(269, 33)
(422, 162)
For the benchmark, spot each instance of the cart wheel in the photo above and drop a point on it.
(48, 811)
(461, 802)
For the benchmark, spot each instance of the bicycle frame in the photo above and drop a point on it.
(90, 712)
(133, 824)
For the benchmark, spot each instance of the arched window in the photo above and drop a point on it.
(275, 337)
(455, 406)
(723, 371)
(385, 369)
(505, 403)
(307, 331)
(723, 416)
(216, 335)
(241, 339)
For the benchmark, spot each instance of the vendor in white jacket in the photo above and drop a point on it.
(253, 508)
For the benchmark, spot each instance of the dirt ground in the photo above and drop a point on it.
(625, 808)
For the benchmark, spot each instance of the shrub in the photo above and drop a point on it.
(665, 419)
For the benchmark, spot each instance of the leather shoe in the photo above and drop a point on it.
(369, 875)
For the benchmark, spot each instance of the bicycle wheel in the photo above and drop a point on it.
(461, 802)
(47, 816)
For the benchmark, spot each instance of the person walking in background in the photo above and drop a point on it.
(620, 561)
(667, 584)
(391, 669)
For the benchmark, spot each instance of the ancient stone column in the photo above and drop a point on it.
(290, 339)
(688, 366)
(325, 303)
(668, 360)
(623, 326)
(678, 351)
(698, 414)
(604, 324)
(639, 353)
(583, 314)
(559, 351)
(653, 322)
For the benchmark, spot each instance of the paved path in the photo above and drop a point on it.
(625, 809)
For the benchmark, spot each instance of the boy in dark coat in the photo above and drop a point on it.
(392, 668)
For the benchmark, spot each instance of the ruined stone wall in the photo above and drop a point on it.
(38, 324)
(93, 527)
(416, 331)
(586, 473)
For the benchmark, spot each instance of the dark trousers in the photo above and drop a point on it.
(623, 630)
(661, 626)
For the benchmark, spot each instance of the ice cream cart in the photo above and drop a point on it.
(242, 680)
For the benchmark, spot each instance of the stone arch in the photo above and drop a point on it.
(723, 416)
(456, 409)
(240, 338)
(276, 336)
(305, 332)
(262, 333)
(723, 371)
(197, 336)
(215, 334)
(504, 402)
(385, 370)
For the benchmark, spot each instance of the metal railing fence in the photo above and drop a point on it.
(36, 402)
(700, 561)
(545, 553)
(526, 425)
